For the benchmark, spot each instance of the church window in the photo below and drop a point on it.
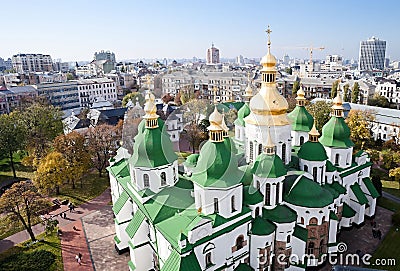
(258, 185)
(233, 204)
(305, 168)
(315, 171)
(216, 207)
(257, 212)
(336, 159)
(284, 153)
(260, 149)
(310, 249)
(267, 194)
(146, 181)
(251, 152)
(313, 221)
(208, 259)
(302, 221)
(288, 239)
(239, 242)
(163, 179)
(277, 193)
(301, 140)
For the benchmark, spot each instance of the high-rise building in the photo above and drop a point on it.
(102, 55)
(212, 55)
(32, 63)
(372, 54)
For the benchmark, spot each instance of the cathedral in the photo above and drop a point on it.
(281, 209)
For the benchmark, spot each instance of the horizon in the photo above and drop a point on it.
(74, 31)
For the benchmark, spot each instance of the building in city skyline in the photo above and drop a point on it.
(32, 63)
(212, 55)
(372, 54)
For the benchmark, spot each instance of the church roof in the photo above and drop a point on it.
(301, 120)
(260, 226)
(243, 112)
(301, 233)
(269, 166)
(312, 151)
(177, 263)
(361, 198)
(251, 195)
(306, 193)
(280, 214)
(336, 133)
(371, 188)
(348, 212)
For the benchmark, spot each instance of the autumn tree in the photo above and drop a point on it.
(133, 96)
(379, 100)
(346, 93)
(43, 124)
(195, 110)
(321, 112)
(194, 134)
(102, 143)
(187, 93)
(355, 93)
(51, 172)
(74, 150)
(12, 136)
(335, 87)
(295, 88)
(395, 173)
(23, 202)
(359, 123)
(390, 159)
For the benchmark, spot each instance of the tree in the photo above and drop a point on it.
(289, 70)
(379, 100)
(346, 93)
(390, 159)
(359, 123)
(70, 76)
(295, 88)
(51, 172)
(74, 150)
(194, 134)
(102, 143)
(43, 124)
(321, 112)
(335, 87)
(195, 110)
(187, 93)
(23, 202)
(230, 116)
(355, 93)
(133, 96)
(395, 173)
(12, 136)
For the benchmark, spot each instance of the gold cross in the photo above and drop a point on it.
(269, 34)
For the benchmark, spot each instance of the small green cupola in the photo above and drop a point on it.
(300, 118)
(312, 150)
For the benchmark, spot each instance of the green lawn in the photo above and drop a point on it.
(9, 227)
(394, 192)
(21, 170)
(388, 204)
(389, 249)
(22, 258)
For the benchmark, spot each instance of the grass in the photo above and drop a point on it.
(393, 191)
(15, 256)
(384, 176)
(21, 170)
(92, 186)
(389, 249)
(388, 204)
(9, 226)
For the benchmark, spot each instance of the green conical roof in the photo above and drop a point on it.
(306, 193)
(217, 166)
(301, 120)
(153, 148)
(243, 112)
(336, 133)
(252, 195)
(260, 226)
(269, 166)
(312, 151)
(191, 160)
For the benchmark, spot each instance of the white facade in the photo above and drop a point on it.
(98, 89)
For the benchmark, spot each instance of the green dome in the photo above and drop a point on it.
(312, 151)
(269, 166)
(191, 160)
(261, 226)
(230, 145)
(251, 195)
(306, 193)
(336, 133)
(280, 214)
(153, 148)
(243, 112)
(301, 120)
(217, 166)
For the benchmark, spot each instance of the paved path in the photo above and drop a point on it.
(390, 196)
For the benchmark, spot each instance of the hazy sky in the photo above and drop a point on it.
(74, 30)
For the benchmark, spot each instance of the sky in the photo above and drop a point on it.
(132, 29)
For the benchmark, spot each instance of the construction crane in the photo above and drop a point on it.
(311, 51)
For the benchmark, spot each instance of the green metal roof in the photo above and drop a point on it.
(269, 166)
(333, 191)
(191, 160)
(338, 187)
(300, 118)
(135, 223)
(348, 212)
(333, 216)
(153, 148)
(131, 266)
(301, 233)
(361, 198)
(371, 188)
(120, 168)
(243, 267)
(312, 151)
(261, 226)
(217, 166)
(251, 195)
(120, 202)
(330, 167)
(355, 169)
(306, 193)
(336, 133)
(280, 214)
(243, 112)
(247, 174)
(177, 263)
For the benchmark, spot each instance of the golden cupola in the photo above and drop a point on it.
(150, 109)
(216, 131)
(268, 107)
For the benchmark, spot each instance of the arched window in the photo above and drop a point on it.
(260, 149)
(314, 173)
(323, 219)
(239, 242)
(258, 185)
(302, 221)
(288, 239)
(336, 159)
(163, 179)
(233, 209)
(257, 211)
(305, 168)
(310, 248)
(146, 180)
(267, 194)
(321, 247)
(313, 221)
(251, 154)
(277, 195)
(301, 140)
(284, 153)
(216, 207)
(208, 259)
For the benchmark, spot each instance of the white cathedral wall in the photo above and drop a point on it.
(283, 230)
(163, 247)
(259, 242)
(320, 165)
(137, 176)
(221, 251)
(273, 182)
(333, 227)
(296, 137)
(345, 156)
(321, 214)
(298, 249)
(122, 235)
(259, 134)
(239, 132)
(125, 213)
(142, 257)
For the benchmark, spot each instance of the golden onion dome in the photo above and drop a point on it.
(268, 60)
(215, 120)
(300, 93)
(338, 102)
(150, 107)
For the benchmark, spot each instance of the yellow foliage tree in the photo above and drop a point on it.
(51, 172)
(395, 173)
(360, 128)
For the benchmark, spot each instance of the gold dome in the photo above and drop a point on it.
(300, 93)
(268, 60)
(215, 120)
(338, 102)
(313, 134)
